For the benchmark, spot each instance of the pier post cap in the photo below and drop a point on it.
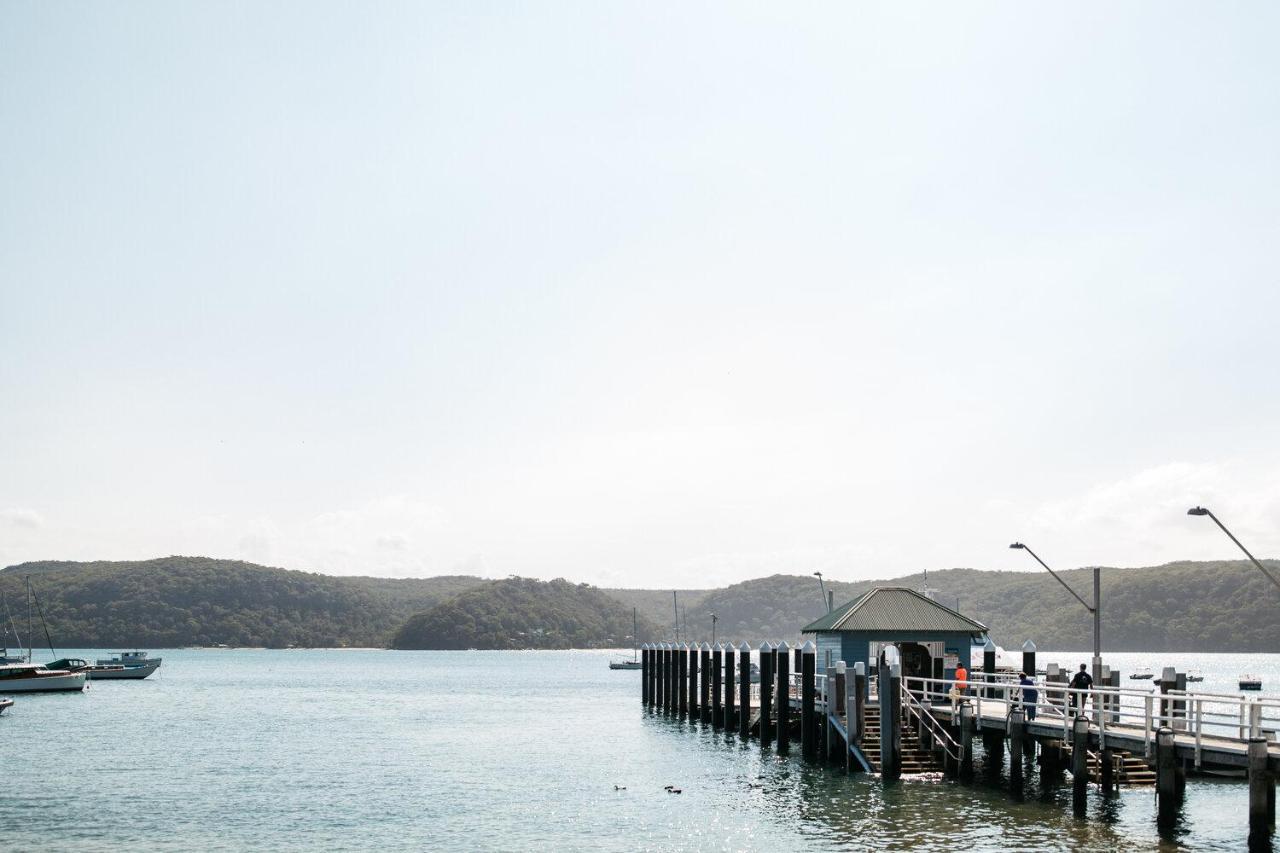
(782, 647)
(684, 647)
(841, 668)
(744, 648)
(989, 645)
(765, 647)
(645, 647)
(809, 648)
(1081, 722)
(860, 667)
(1028, 647)
(1051, 669)
(1165, 735)
(706, 647)
(1168, 674)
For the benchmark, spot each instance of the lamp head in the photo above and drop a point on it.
(1018, 545)
(1197, 510)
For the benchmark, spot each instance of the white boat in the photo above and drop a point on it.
(108, 671)
(128, 659)
(5, 703)
(634, 663)
(32, 677)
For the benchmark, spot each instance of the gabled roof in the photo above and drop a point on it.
(894, 608)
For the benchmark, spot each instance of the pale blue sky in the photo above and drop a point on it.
(638, 294)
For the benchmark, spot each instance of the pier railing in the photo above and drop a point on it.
(1115, 709)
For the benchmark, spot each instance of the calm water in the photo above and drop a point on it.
(292, 750)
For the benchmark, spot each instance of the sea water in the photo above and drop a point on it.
(546, 751)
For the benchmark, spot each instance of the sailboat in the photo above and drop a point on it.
(634, 663)
(9, 624)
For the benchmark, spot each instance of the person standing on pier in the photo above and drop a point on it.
(1080, 681)
(1029, 696)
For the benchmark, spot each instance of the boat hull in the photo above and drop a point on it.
(44, 683)
(5, 703)
(627, 665)
(128, 672)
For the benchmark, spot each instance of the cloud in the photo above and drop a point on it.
(27, 519)
(393, 542)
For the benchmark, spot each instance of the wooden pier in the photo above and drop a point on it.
(890, 725)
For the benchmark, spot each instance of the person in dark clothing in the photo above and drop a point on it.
(1029, 696)
(1080, 681)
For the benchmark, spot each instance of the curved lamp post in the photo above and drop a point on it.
(823, 589)
(1199, 510)
(1095, 608)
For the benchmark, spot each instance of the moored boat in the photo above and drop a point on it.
(32, 678)
(107, 671)
(5, 702)
(634, 663)
(1250, 682)
(134, 658)
(1140, 676)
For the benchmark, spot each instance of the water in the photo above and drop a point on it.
(305, 750)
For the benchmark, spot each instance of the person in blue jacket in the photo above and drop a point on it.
(1029, 696)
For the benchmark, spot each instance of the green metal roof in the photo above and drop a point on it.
(894, 608)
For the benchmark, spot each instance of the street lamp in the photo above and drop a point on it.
(713, 628)
(1095, 609)
(826, 602)
(1199, 510)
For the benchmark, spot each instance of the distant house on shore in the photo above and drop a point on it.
(928, 638)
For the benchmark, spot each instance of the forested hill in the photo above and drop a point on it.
(520, 613)
(180, 601)
(1225, 606)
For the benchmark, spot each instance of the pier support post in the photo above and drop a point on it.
(1029, 659)
(826, 696)
(1080, 765)
(1114, 719)
(1262, 791)
(1180, 704)
(744, 691)
(890, 721)
(717, 675)
(682, 679)
(993, 753)
(766, 694)
(661, 701)
(841, 697)
(694, 708)
(1168, 791)
(1017, 734)
(704, 685)
(1107, 770)
(808, 701)
(671, 679)
(966, 741)
(858, 710)
(729, 717)
(1168, 679)
(989, 667)
(783, 677)
(644, 675)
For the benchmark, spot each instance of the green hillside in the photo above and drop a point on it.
(1183, 606)
(524, 614)
(179, 601)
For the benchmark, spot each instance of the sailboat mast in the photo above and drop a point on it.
(30, 636)
(635, 641)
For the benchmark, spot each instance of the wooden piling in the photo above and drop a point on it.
(808, 700)
(966, 741)
(1080, 764)
(644, 675)
(783, 699)
(840, 696)
(672, 651)
(1168, 680)
(692, 666)
(744, 691)
(1017, 735)
(989, 666)
(660, 703)
(1029, 658)
(682, 680)
(1180, 704)
(890, 681)
(730, 719)
(1262, 790)
(704, 696)
(858, 710)
(1107, 770)
(717, 676)
(1168, 793)
(767, 659)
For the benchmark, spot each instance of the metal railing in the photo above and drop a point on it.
(926, 720)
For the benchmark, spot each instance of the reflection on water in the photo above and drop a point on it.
(233, 750)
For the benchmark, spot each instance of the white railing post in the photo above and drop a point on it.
(1255, 719)
(1199, 728)
(1146, 725)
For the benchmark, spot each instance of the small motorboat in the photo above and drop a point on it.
(1194, 676)
(1141, 676)
(1250, 682)
(130, 659)
(5, 703)
(101, 671)
(625, 664)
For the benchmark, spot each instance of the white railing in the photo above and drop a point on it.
(1219, 716)
(915, 708)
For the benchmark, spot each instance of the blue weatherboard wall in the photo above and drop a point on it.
(854, 646)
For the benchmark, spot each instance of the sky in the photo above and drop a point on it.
(639, 294)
